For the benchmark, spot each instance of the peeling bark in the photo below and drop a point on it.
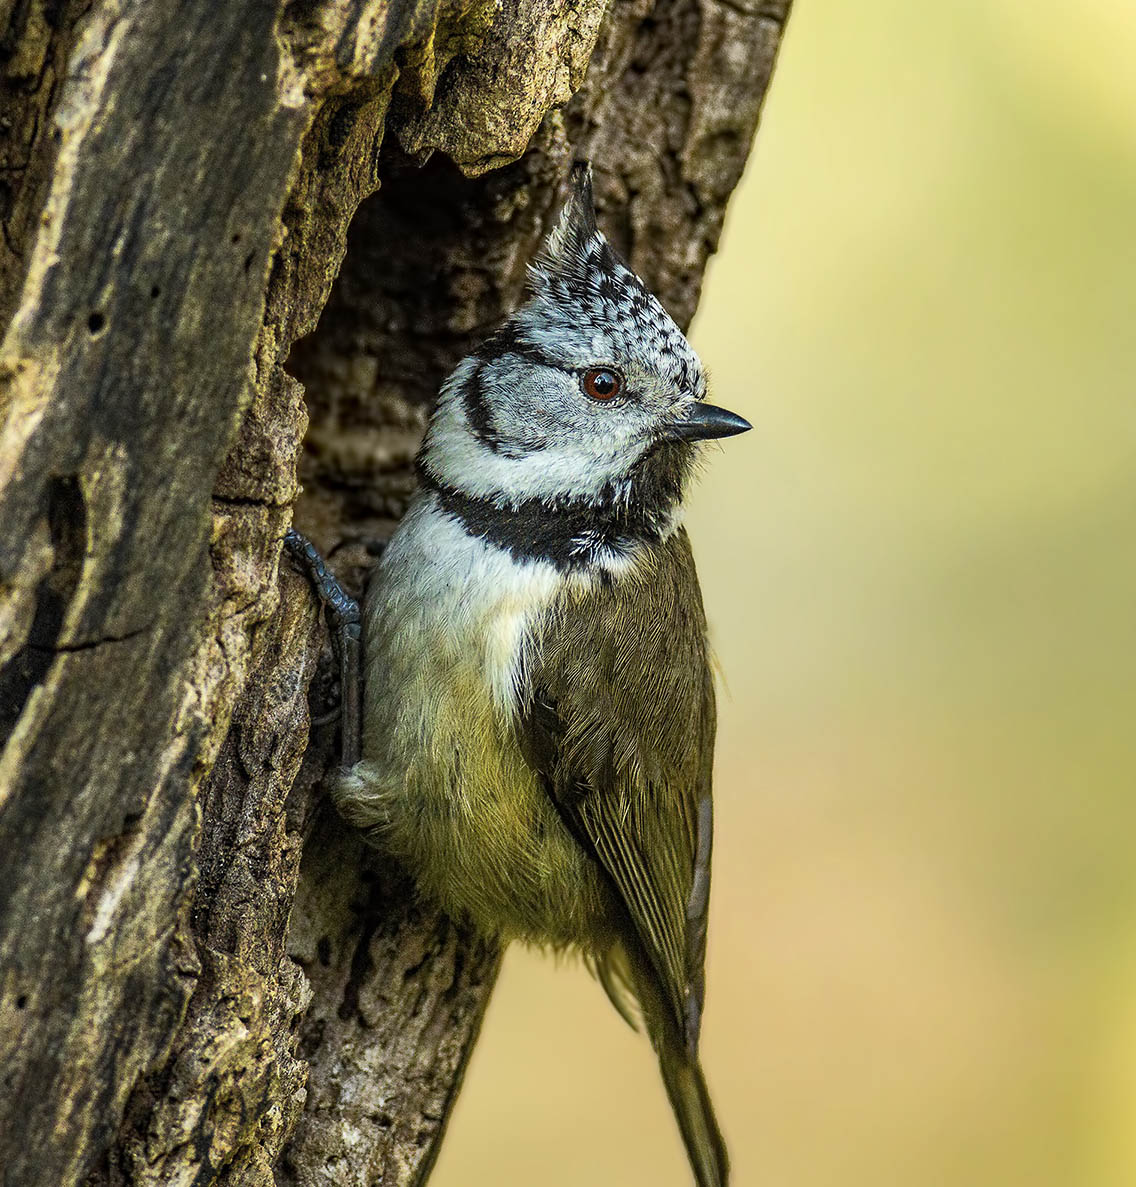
(241, 246)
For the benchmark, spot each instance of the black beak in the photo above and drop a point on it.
(704, 422)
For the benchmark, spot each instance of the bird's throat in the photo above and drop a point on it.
(575, 533)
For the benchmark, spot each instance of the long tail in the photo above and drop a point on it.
(686, 1086)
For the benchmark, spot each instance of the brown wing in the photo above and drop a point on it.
(621, 731)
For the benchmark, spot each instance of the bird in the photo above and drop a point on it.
(538, 712)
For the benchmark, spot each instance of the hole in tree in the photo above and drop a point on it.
(434, 261)
(96, 323)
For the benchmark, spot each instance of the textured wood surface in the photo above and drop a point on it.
(205, 210)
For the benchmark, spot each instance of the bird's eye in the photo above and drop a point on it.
(601, 383)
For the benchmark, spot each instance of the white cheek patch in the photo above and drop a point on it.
(576, 467)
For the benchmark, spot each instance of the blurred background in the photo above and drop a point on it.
(920, 571)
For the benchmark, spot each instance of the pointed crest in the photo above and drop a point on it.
(575, 235)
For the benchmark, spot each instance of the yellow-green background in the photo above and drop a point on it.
(920, 570)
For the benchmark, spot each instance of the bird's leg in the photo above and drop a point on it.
(344, 623)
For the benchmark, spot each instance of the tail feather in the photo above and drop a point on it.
(686, 1087)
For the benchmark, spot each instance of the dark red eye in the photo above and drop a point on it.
(601, 383)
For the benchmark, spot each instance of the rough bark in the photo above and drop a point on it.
(203, 976)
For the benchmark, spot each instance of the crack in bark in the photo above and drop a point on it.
(92, 644)
(66, 514)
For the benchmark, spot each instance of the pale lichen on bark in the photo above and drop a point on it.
(203, 976)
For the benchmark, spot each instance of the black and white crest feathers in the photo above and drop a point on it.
(577, 273)
(568, 245)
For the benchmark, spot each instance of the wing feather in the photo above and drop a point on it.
(620, 727)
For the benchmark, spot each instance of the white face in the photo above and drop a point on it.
(580, 383)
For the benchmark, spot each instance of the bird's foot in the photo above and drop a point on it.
(345, 624)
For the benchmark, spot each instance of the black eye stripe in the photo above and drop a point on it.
(507, 340)
(478, 414)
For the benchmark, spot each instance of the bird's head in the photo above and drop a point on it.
(580, 388)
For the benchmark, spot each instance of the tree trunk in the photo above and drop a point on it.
(204, 976)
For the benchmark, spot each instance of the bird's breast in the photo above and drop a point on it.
(443, 782)
(460, 605)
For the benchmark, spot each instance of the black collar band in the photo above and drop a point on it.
(572, 534)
